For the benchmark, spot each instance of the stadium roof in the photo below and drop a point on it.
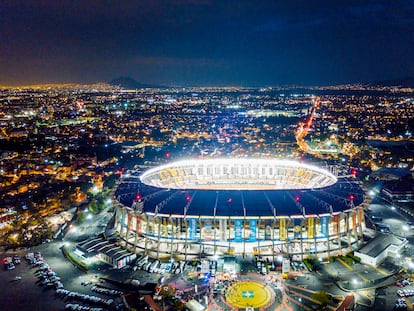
(238, 174)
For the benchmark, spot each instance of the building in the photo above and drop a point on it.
(204, 208)
(103, 249)
(380, 247)
(401, 190)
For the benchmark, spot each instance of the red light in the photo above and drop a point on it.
(354, 172)
(297, 198)
(351, 197)
(188, 198)
(167, 154)
(138, 197)
(230, 200)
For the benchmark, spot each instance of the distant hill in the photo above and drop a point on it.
(404, 82)
(131, 84)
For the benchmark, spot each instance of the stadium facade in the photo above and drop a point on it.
(267, 207)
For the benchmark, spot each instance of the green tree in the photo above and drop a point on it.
(81, 218)
(322, 297)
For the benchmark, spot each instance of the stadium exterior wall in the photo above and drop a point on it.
(165, 236)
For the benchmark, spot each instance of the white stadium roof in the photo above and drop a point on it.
(238, 174)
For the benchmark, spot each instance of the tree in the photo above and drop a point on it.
(322, 297)
(81, 218)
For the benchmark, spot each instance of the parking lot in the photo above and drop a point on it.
(400, 224)
(24, 294)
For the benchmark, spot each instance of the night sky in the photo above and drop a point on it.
(190, 42)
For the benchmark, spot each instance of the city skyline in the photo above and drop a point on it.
(199, 43)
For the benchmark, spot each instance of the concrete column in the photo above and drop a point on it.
(338, 224)
(137, 223)
(347, 228)
(128, 219)
(355, 230)
(214, 235)
(301, 240)
(122, 214)
(159, 236)
(360, 220)
(172, 238)
(314, 236)
(186, 239)
(273, 237)
(146, 235)
(259, 221)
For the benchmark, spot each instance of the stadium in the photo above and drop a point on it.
(212, 207)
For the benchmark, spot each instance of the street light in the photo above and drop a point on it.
(405, 229)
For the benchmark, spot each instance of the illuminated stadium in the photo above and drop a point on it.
(201, 208)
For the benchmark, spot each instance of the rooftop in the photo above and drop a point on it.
(238, 174)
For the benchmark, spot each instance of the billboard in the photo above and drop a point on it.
(193, 228)
(325, 226)
(335, 224)
(311, 227)
(138, 222)
(223, 229)
(123, 222)
(253, 229)
(286, 265)
(282, 229)
(354, 221)
(207, 232)
(238, 224)
(129, 220)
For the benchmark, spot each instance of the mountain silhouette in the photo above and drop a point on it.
(131, 84)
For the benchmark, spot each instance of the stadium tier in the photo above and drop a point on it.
(198, 208)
